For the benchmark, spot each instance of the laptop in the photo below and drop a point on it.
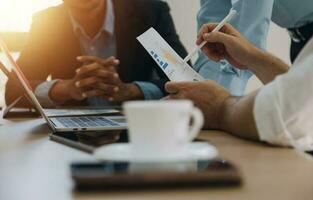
(83, 123)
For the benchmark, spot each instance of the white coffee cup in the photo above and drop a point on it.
(161, 129)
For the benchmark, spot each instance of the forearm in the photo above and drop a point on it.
(237, 117)
(150, 90)
(132, 92)
(253, 24)
(266, 66)
(60, 91)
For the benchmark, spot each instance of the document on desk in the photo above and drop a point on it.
(167, 59)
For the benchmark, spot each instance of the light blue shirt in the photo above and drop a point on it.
(253, 22)
(291, 13)
(103, 45)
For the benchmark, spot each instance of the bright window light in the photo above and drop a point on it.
(16, 15)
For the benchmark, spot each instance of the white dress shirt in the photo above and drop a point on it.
(283, 109)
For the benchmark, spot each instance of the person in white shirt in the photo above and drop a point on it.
(280, 113)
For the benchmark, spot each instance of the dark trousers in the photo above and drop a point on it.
(295, 49)
(300, 37)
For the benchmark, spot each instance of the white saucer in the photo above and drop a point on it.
(123, 153)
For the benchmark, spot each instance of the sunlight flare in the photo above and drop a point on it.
(16, 15)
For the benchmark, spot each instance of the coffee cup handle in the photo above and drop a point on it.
(197, 125)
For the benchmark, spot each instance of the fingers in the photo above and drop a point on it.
(176, 87)
(114, 62)
(215, 48)
(172, 88)
(97, 93)
(176, 90)
(107, 76)
(88, 69)
(207, 29)
(105, 62)
(109, 89)
(229, 30)
(212, 51)
(218, 37)
(97, 84)
(87, 82)
(95, 68)
(93, 93)
(109, 64)
(100, 90)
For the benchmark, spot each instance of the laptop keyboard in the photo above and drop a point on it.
(85, 122)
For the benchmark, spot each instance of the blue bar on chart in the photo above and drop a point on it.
(160, 62)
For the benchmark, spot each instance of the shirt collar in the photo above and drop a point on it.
(108, 24)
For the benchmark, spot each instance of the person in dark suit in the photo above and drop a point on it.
(90, 52)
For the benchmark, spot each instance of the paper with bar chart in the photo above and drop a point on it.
(167, 59)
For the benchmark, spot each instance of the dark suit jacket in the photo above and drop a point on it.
(53, 47)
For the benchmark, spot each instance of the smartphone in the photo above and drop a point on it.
(122, 175)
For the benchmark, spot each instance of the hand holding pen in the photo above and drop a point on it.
(228, 18)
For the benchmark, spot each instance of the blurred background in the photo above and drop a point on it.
(16, 15)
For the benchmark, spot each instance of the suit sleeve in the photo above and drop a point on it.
(33, 61)
(167, 29)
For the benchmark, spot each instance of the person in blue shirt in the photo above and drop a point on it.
(253, 20)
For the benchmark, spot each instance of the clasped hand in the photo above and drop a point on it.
(98, 78)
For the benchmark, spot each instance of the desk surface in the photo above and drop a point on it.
(32, 167)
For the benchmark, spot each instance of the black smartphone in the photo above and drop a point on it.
(125, 175)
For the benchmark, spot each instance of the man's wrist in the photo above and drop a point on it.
(237, 116)
(133, 92)
(225, 112)
(258, 58)
(60, 91)
(266, 66)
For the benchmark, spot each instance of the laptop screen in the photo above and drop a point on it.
(14, 65)
(22, 79)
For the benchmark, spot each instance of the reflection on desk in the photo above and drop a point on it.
(36, 168)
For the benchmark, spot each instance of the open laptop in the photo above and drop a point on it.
(63, 124)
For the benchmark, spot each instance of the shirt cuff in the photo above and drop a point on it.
(150, 90)
(42, 93)
(228, 68)
(268, 117)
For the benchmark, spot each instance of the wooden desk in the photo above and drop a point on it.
(32, 167)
